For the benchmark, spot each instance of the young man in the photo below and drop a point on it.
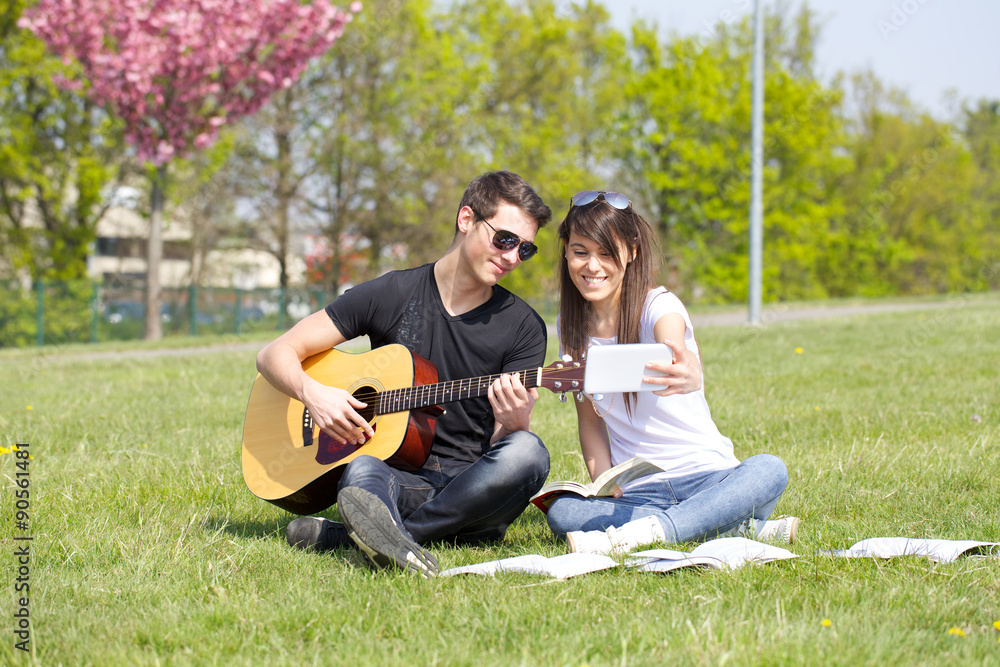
(485, 463)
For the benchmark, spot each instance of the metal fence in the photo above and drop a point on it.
(85, 312)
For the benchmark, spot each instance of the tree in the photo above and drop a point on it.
(384, 133)
(175, 71)
(59, 158)
(913, 228)
(688, 147)
(543, 97)
(389, 166)
(982, 132)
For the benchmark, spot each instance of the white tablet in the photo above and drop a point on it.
(611, 368)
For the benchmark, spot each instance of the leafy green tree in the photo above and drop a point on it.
(543, 98)
(688, 150)
(387, 165)
(360, 148)
(417, 100)
(60, 159)
(911, 228)
(982, 133)
(203, 192)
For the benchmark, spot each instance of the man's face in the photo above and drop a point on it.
(490, 263)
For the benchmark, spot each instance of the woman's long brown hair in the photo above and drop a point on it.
(611, 229)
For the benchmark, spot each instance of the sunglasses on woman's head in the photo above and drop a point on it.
(504, 240)
(616, 199)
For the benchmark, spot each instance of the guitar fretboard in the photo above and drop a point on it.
(409, 398)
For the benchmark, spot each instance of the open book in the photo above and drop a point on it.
(942, 551)
(718, 554)
(606, 483)
(560, 567)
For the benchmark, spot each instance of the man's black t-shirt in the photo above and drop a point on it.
(503, 335)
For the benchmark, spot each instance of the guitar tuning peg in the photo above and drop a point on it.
(598, 397)
(562, 397)
(579, 397)
(567, 358)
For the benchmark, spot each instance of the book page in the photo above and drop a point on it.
(563, 486)
(732, 552)
(660, 554)
(735, 551)
(560, 567)
(573, 564)
(941, 551)
(605, 484)
(620, 475)
(667, 564)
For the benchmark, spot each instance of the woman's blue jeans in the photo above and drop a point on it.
(691, 508)
(473, 503)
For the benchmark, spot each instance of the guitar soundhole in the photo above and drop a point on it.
(367, 395)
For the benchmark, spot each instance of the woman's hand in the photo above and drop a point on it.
(682, 376)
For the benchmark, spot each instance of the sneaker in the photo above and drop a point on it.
(782, 529)
(370, 524)
(620, 540)
(589, 542)
(313, 532)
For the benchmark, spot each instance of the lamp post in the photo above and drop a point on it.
(757, 167)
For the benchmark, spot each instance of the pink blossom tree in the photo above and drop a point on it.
(176, 71)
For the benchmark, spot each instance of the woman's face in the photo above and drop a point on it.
(593, 269)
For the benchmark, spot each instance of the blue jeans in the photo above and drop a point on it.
(472, 504)
(695, 507)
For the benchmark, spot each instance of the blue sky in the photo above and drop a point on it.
(924, 47)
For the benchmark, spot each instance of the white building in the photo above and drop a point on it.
(120, 253)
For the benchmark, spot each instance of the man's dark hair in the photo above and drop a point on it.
(491, 189)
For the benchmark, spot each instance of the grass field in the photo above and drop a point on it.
(148, 549)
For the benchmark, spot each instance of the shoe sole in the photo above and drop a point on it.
(371, 526)
(787, 535)
(792, 529)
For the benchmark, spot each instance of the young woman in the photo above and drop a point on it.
(609, 296)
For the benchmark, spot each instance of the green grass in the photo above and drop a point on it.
(149, 549)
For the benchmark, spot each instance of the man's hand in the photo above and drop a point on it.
(512, 405)
(335, 412)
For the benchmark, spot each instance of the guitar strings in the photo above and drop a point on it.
(408, 398)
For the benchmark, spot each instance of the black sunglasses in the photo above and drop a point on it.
(504, 240)
(616, 199)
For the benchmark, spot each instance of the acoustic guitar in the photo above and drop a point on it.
(289, 462)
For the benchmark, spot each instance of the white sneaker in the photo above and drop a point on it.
(781, 529)
(628, 537)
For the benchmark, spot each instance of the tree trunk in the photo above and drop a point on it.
(154, 253)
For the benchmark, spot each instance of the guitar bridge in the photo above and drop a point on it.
(307, 428)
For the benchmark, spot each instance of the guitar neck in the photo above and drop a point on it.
(422, 396)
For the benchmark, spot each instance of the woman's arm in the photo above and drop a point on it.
(684, 375)
(594, 441)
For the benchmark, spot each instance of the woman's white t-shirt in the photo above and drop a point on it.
(674, 432)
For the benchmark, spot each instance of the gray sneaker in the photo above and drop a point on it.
(370, 524)
(317, 533)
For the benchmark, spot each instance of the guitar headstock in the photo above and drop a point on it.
(563, 376)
